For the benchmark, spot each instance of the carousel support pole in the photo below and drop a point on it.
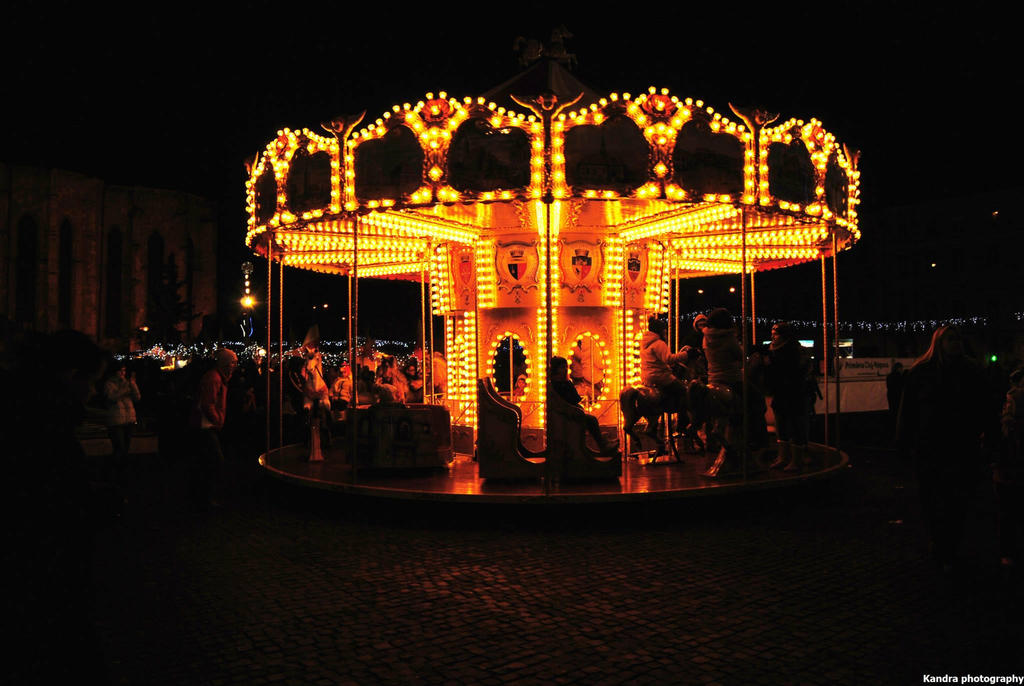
(547, 109)
(476, 356)
(352, 363)
(280, 355)
(353, 318)
(680, 425)
(744, 337)
(679, 307)
(623, 439)
(671, 325)
(835, 330)
(824, 339)
(428, 362)
(423, 330)
(753, 309)
(270, 288)
(548, 322)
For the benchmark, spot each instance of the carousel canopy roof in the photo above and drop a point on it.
(546, 75)
(639, 167)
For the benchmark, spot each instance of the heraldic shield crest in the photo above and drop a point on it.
(633, 265)
(516, 266)
(581, 264)
(635, 284)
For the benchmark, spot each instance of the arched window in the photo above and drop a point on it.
(65, 276)
(390, 167)
(190, 276)
(26, 271)
(266, 196)
(309, 181)
(112, 301)
(612, 156)
(706, 162)
(588, 367)
(154, 273)
(791, 172)
(482, 158)
(506, 363)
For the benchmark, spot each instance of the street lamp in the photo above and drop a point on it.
(247, 302)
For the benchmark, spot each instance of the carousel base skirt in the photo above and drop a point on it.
(660, 480)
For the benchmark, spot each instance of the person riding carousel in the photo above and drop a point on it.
(662, 390)
(721, 396)
(566, 390)
(722, 350)
(391, 385)
(656, 364)
(414, 381)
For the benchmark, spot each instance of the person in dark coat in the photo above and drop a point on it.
(53, 512)
(786, 375)
(940, 425)
(1008, 474)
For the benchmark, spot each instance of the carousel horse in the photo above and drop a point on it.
(316, 401)
(650, 404)
(718, 409)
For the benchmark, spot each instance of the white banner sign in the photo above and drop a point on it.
(856, 368)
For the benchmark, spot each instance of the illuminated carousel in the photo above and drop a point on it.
(539, 219)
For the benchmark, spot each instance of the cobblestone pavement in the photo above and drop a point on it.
(830, 583)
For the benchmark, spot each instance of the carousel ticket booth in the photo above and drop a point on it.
(543, 222)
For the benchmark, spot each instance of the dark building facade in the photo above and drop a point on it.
(107, 260)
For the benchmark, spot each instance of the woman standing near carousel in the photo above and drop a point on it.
(786, 375)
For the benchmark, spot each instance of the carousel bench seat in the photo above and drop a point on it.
(399, 436)
(572, 459)
(499, 447)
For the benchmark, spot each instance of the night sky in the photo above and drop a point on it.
(179, 98)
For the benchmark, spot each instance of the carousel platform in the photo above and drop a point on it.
(459, 482)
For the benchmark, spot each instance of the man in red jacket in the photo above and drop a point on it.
(206, 422)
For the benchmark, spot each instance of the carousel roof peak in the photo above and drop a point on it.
(547, 70)
(546, 75)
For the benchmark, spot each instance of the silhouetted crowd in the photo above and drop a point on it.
(956, 421)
